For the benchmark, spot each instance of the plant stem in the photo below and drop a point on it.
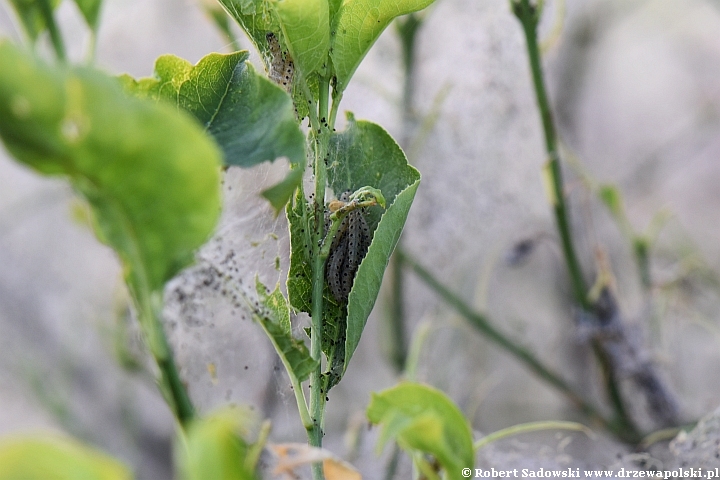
(392, 465)
(184, 410)
(396, 325)
(530, 427)
(528, 16)
(317, 397)
(170, 383)
(55, 37)
(481, 323)
(337, 97)
(296, 386)
(407, 29)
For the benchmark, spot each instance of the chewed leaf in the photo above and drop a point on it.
(250, 117)
(34, 458)
(255, 17)
(421, 418)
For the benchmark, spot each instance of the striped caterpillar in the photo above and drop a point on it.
(282, 67)
(346, 251)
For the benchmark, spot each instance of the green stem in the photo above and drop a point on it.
(184, 410)
(530, 427)
(392, 465)
(323, 104)
(296, 386)
(481, 323)
(407, 29)
(528, 16)
(55, 37)
(337, 97)
(171, 385)
(317, 396)
(396, 325)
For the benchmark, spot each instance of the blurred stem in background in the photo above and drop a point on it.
(221, 20)
(481, 323)
(621, 425)
(529, 17)
(55, 36)
(407, 28)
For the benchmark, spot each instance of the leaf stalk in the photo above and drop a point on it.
(53, 30)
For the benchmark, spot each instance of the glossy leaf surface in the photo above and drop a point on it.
(151, 175)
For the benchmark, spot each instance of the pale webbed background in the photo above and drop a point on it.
(636, 86)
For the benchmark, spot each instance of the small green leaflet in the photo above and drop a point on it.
(422, 418)
(274, 318)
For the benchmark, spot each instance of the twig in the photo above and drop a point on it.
(481, 323)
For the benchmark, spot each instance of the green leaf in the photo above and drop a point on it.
(215, 448)
(363, 155)
(90, 10)
(256, 18)
(31, 16)
(251, 118)
(56, 458)
(424, 419)
(275, 321)
(279, 194)
(150, 174)
(366, 155)
(356, 27)
(306, 27)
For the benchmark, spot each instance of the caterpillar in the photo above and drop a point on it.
(281, 65)
(347, 250)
